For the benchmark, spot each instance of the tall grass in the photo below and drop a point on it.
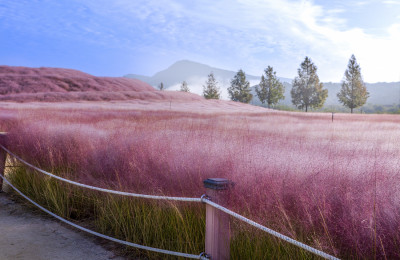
(331, 185)
(173, 226)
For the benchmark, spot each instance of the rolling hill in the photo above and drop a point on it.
(54, 84)
(35, 80)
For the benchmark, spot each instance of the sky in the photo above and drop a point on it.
(114, 38)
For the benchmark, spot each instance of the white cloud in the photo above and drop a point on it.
(391, 2)
(296, 29)
(361, 3)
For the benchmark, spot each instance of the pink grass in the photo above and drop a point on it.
(22, 84)
(333, 185)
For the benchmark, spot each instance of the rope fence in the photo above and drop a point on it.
(204, 199)
(157, 250)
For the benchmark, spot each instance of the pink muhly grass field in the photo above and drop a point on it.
(23, 84)
(333, 185)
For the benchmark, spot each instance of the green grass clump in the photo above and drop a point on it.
(168, 225)
(251, 243)
(173, 226)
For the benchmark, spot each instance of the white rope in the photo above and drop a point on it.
(157, 250)
(101, 189)
(202, 199)
(270, 231)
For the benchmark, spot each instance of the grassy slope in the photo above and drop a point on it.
(24, 84)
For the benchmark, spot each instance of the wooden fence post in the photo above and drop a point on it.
(217, 222)
(3, 157)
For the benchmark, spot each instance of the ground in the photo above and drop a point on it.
(25, 234)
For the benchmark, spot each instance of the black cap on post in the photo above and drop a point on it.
(3, 136)
(217, 183)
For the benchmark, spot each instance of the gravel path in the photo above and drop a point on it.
(28, 235)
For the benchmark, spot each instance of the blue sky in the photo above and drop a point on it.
(113, 38)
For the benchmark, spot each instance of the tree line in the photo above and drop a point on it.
(307, 91)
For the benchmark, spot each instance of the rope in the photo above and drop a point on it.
(203, 199)
(101, 189)
(270, 231)
(157, 250)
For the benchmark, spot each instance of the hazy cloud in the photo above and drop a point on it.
(230, 34)
(391, 2)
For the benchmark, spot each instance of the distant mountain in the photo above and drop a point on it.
(195, 74)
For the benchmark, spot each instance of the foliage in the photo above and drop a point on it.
(161, 86)
(271, 89)
(365, 109)
(240, 88)
(380, 109)
(353, 93)
(211, 90)
(184, 87)
(307, 91)
(284, 107)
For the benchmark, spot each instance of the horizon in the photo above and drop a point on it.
(144, 37)
(213, 67)
(247, 74)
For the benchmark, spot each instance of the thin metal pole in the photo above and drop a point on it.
(3, 157)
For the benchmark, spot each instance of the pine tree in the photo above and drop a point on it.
(240, 88)
(307, 91)
(211, 90)
(353, 93)
(271, 89)
(184, 87)
(161, 86)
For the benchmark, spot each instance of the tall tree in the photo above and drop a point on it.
(307, 91)
(271, 89)
(184, 87)
(353, 93)
(211, 90)
(161, 86)
(240, 88)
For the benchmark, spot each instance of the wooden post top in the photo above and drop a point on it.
(217, 183)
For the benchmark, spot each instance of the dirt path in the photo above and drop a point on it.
(27, 235)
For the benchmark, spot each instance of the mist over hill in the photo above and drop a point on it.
(195, 74)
